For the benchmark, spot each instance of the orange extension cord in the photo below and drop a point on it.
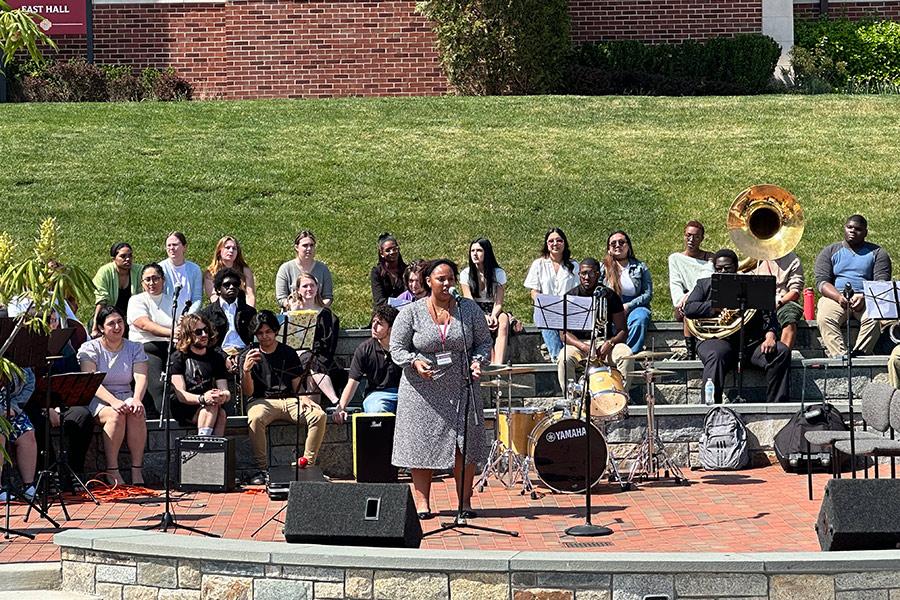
(106, 492)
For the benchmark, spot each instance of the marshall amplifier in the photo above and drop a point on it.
(205, 464)
(373, 443)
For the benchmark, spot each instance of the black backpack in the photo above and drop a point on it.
(723, 442)
(790, 442)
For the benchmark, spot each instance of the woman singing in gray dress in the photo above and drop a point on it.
(427, 341)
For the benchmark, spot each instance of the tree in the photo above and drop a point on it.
(22, 29)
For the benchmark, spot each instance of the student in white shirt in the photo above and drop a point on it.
(554, 274)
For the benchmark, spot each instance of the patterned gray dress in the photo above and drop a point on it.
(430, 412)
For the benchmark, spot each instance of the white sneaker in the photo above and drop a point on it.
(29, 493)
(3, 496)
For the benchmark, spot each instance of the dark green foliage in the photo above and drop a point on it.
(869, 51)
(491, 47)
(743, 64)
(77, 81)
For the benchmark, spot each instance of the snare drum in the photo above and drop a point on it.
(557, 448)
(609, 402)
(514, 425)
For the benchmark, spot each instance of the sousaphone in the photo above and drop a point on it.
(765, 222)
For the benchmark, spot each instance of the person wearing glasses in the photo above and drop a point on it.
(150, 324)
(181, 273)
(116, 282)
(199, 379)
(685, 269)
(630, 279)
(305, 246)
(229, 315)
(553, 274)
(386, 277)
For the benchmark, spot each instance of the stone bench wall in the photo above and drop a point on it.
(119, 564)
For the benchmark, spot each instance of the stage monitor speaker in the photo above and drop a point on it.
(352, 514)
(860, 514)
(373, 443)
(205, 464)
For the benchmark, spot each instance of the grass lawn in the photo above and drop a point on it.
(439, 172)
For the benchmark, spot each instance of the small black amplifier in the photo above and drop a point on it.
(373, 443)
(281, 477)
(205, 464)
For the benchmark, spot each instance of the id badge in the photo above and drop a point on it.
(443, 359)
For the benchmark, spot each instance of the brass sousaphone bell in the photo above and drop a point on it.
(765, 222)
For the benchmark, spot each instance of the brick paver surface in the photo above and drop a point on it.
(756, 510)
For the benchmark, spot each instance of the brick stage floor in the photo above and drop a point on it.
(755, 510)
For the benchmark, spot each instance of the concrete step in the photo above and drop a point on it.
(15, 577)
(46, 595)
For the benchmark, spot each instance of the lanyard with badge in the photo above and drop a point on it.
(443, 358)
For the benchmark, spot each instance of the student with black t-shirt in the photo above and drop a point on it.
(372, 361)
(199, 378)
(271, 376)
(612, 350)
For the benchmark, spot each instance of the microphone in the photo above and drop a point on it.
(848, 291)
(187, 306)
(178, 287)
(455, 293)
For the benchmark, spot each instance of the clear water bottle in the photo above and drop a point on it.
(709, 392)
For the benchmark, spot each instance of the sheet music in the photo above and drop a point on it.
(398, 303)
(301, 328)
(881, 299)
(578, 312)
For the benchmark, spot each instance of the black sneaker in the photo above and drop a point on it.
(259, 478)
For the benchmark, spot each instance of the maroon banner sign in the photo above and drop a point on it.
(63, 17)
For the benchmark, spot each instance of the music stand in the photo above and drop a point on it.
(563, 313)
(68, 390)
(26, 349)
(742, 292)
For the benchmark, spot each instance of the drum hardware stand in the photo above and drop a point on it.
(650, 456)
(588, 529)
(615, 475)
(460, 521)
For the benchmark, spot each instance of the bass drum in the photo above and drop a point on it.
(557, 447)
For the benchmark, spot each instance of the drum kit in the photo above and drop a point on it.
(552, 441)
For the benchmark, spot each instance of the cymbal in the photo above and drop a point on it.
(652, 355)
(499, 383)
(652, 373)
(507, 370)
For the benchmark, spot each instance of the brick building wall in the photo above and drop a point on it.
(663, 20)
(318, 48)
(887, 9)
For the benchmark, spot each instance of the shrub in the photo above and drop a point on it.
(870, 50)
(122, 84)
(490, 47)
(743, 64)
(167, 86)
(814, 72)
(76, 81)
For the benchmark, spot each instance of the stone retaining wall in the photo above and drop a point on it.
(131, 565)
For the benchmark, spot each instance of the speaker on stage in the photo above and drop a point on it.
(373, 442)
(205, 464)
(352, 514)
(860, 514)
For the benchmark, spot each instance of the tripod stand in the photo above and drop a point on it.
(167, 518)
(460, 521)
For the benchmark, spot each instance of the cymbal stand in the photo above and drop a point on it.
(649, 457)
(615, 475)
(494, 463)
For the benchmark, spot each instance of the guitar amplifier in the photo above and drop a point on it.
(373, 443)
(205, 464)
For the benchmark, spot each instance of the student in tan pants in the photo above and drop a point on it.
(270, 374)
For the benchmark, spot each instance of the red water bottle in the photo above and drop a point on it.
(809, 304)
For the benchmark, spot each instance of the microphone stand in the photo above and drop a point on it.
(848, 294)
(167, 518)
(459, 521)
(588, 529)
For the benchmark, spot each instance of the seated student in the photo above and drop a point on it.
(893, 367)
(116, 282)
(386, 277)
(630, 278)
(14, 395)
(118, 409)
(271, 377)
(228, 255)
(485, 282)
(372, 360)
(199, 387)
(613, 351)
(788, 273)
(305, 246)
(685, 268)
(181, 273)
(851, 261)
(762, 348)
(319, 360)
(412, 278)
(229, 314)
(150, 324)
